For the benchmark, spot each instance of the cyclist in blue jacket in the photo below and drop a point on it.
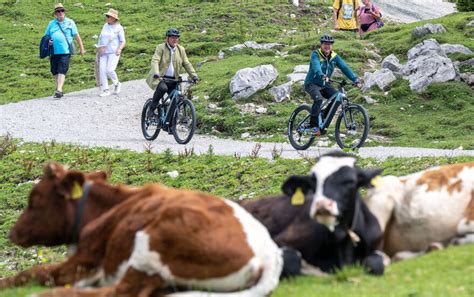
(322, 64)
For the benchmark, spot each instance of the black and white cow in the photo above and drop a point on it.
(323, 217)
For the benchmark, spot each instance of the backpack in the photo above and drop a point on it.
(45, 50)
(340, 6)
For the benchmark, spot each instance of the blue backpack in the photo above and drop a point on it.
(45, 50)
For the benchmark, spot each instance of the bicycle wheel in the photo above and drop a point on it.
(150, 125)
(352, 127)
(184, 121)
(299, 133)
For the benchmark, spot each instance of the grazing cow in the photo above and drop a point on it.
(157, 239)
(430, 206)
(323, 217)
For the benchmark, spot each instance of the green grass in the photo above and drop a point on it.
(230, 177)
(443, 122)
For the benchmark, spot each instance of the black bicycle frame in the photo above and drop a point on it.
(335, 101)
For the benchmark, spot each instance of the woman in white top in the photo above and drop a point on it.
(111, 43)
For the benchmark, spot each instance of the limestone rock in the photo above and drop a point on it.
(421, 31)
(281, 92)
(382, 78)
(455, 48)
(424, 48)
(248, 81)
(391, 62)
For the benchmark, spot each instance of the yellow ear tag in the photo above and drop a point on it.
(76, 192)
(376, 181)
(298, 197)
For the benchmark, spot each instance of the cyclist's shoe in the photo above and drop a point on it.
(315, 131)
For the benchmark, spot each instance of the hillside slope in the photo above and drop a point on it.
(438, 118)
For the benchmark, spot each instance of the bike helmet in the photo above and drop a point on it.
(172, 32)
(326, 38)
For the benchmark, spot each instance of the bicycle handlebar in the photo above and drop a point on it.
(177, 80)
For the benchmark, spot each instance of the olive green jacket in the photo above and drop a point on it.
(161, 61)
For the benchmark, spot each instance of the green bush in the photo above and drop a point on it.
(465, 5)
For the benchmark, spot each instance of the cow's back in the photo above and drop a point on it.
(428, 206)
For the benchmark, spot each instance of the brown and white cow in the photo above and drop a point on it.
(431, 206)
(159, 238)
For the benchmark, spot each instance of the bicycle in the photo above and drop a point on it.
(174, 114)
(352, 124)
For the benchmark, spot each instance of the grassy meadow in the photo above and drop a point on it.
(437, 118)
(440, 117)
(230, 177)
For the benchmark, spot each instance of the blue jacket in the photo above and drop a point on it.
(320, 66)
(45, 50)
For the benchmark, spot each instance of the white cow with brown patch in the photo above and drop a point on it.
(432, 206)
(154, 241)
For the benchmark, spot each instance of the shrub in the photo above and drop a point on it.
(465, 5)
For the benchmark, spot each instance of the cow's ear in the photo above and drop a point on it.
(53, 170)
(70, 186)
(306, 183)
(365, 176)
(97, 175)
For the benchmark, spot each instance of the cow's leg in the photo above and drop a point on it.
(39, 273)
(374, 263)
(469, 238)
(138, 284)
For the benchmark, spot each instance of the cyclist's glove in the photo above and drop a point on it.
(156, 75)
(195, 79)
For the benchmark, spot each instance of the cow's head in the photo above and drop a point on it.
(334, 182)
(49, 216)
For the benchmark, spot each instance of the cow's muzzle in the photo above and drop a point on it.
(325, 211)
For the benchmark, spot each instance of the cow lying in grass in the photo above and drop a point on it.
(431, 206)
(157, 238)
(323, 217)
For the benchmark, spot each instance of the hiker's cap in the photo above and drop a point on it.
(113, 13)
(58, 6)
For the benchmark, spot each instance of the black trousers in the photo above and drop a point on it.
(317, 93)
(162, 88)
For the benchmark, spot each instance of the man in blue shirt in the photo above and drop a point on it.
(322, 64)
(62, 30)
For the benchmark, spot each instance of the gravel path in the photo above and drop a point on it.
(408, 11)
(84, 118)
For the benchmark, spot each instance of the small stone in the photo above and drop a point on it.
(206, 97)
(293, 16)
(402, 108)
(23, 75)
(261, 110)
(245, 135)
(173, 174)
(212, 106)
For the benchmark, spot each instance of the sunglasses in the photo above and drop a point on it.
(60, 10)
(108, 16)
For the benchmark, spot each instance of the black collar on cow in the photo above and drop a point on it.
(79, 211)
(354, 237)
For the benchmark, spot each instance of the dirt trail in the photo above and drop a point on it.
(408, 11)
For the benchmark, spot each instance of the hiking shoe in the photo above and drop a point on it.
(104, 93)
(117, 88)
(58, 94)
(315, 131)
(151, 113)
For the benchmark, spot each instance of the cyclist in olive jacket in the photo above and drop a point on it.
(167, 62)
(321, 67)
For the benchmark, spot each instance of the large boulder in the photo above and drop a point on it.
(426, 47)
(381, 78)
(301, 68)
(248, 81)
(391, 62)
(424, 70)
(282, 91)
(421, 31)
(296, 77)
(255, 45)
(455, 48)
